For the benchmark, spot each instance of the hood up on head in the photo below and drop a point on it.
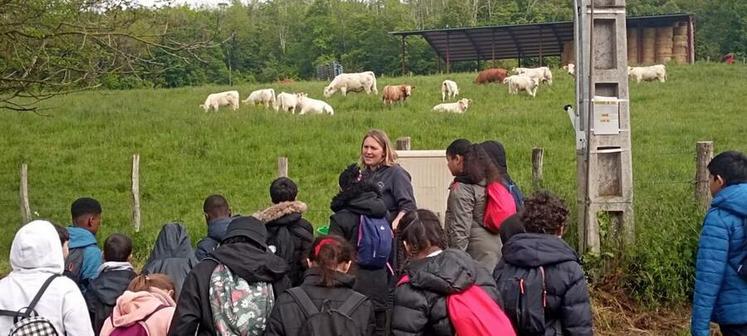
(36, 247)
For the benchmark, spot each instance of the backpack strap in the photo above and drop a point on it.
(303, 299)
(111, 317)
(30, 308)
(351, 303)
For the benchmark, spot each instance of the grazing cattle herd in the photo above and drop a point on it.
(523, 79)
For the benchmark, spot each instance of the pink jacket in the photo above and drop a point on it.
(135, 306)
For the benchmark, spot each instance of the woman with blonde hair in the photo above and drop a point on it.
(148, 303)
(379, 166)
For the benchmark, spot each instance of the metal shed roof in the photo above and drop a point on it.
(514, 41)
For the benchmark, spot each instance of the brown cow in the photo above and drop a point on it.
(491, 75)
(395, 93)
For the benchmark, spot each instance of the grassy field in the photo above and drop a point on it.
(84, 147)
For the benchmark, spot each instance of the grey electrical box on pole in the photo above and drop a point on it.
(602, 124)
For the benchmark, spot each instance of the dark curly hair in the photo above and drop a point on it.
(544, 213)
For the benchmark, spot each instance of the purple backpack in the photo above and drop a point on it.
(136, 329)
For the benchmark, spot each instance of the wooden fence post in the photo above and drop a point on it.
(282, 166)
(24, 193)
(404, 143)
(704, 154)
(136, 192)
(538, 157)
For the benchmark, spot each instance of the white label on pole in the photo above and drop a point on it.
(606, 115)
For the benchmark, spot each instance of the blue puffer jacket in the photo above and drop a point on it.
(720, 294)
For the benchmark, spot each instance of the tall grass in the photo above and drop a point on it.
(85, 145)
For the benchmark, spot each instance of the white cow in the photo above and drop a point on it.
(543, 74)
(352, 82)
(310, 105)
(261, 96)
(216, 100)
(649, 73)
(459, 107)
(517, 83)
(287, 101)
(449, 88)
(571, 68)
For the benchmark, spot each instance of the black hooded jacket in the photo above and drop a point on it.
(103, 292)
(420, 303)
(291, 235)
(249, 260)
(287, 316)
(568, 310)
(172, 254)
(349, 205)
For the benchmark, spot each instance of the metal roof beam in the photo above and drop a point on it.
(516, 42)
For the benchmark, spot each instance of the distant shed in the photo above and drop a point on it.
(651, 39)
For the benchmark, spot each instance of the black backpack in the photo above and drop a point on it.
(74, 264)
(524, 294)
(27, 322)
(329, 321)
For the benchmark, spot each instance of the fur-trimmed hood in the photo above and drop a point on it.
(280, 210)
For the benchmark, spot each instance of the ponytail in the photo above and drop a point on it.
(327, 252)
(144, 283)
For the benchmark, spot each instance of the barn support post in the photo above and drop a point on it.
(540, 51)
(492, 45)
(448, 56)
(402, 54)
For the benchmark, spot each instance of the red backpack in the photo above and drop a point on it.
(499, 205)
(473, 312)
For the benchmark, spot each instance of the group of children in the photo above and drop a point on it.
(384, 268)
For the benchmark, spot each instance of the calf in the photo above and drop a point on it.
(395, 93)
(649, 73)
(216, 100)
(517, 83)
(287, 102)
(571, 68)
(459, 107)
(491, 75)
(310, 105)
(262, 96)
(449, 88)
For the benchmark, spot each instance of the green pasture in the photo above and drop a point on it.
(83, 144)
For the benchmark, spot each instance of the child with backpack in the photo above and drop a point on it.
(360, 201)
(325, 304)
(84, 259)
(36, 285)
(720, 294)
(479, 201)
(443, 291)
(288, 233)
(233, 290)
(145, 309)
(114, 276)
(542, 284)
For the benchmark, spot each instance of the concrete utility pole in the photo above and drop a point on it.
(603, 138)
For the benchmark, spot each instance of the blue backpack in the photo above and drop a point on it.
(516, 193)
(375, 239)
